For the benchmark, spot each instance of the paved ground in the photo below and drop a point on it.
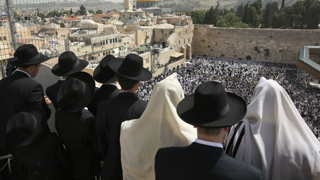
(46, 78)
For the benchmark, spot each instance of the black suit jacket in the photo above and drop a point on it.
(52, 93)
(43, 159)
(105, 92)
(203, 162)
(110, 115)
(16, 92)
(77, 132)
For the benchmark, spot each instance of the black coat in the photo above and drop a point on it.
(44, 159)
(77, 133)
(203, 162)
(16, 92)
(52, 93)
(110, 115)
(105, 92)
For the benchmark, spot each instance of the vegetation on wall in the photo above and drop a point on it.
(301, 15)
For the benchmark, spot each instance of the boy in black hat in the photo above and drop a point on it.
(38, 153)
(212, 111)
(76, 126)
(103, 74)
(113, 112)
(68, 64)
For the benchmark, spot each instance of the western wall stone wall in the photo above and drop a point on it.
(271, 45)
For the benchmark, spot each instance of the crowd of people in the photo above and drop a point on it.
(241, 76)
(212, 118)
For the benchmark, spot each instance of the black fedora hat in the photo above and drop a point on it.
(211, 106)
(27, 54)
(131, 67)
(26, 126)
(68, 64)
(103, 73)
(76, 93)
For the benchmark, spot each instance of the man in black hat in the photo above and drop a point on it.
(103, 74)
(19, 90)
(38, 153)
(212, 111)
(113, 112)
(76, 126)
(68, 64)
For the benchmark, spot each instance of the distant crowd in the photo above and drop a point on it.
(241, 76)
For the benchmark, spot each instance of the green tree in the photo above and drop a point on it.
(198, 16)
(99, 11)
(268, 13)
(62, 25)
(245, 14)
(240, 10)
(71, 11)
(82, 10)
(282, 4)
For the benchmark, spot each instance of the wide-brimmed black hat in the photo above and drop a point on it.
(27, 54)
(131, 67)
(68, 64)
(26, 126)
(103, 73)
(211, 106)
(76, 93)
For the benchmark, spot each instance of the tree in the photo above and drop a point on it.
(245, 14)
(240, 10)
(71, 11)
(198, 16)
(91, 11)
(83, 10)
(268, 13)
(282, 4)
(62, 25)
(99, 11)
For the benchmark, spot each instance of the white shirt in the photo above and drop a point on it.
(208, 143)
(22, 72)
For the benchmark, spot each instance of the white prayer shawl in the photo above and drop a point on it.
(158, 127)
(276, 138)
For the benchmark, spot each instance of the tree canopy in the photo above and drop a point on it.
(301, 15)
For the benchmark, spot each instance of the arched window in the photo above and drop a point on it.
(4, 38)
(0, 38)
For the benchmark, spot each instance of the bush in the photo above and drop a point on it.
(248, 57)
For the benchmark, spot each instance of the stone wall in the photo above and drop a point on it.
(184, 36)
(144, 35)
(272, 45)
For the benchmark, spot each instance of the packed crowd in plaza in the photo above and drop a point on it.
(241, 76)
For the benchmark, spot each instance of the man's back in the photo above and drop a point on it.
(110, 115)
(18, 91)
(105, 92)
(203, 162)
(52, 93)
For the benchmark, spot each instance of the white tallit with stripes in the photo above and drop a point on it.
(159, 126)
(275, 139)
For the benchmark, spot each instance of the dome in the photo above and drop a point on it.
(87, 21)
(164, 26)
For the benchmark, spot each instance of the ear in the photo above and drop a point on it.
(226, 128)
(195, 126)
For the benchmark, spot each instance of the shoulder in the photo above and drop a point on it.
(239, 168)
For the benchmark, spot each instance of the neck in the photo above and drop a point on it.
(131, 90)
(25, 70)
(215, 139)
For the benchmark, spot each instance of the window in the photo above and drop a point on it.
(4, 38)
(184, 41)
(188, 39)
(0, 38)
(179, 42)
